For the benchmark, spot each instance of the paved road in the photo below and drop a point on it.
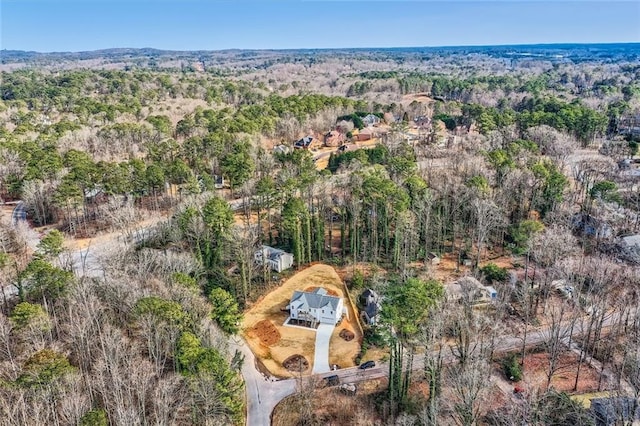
(263, 393)
(321, 354)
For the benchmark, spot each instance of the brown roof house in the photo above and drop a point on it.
(334, 138)
(365, 135)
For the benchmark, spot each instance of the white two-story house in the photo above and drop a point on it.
(316, 307)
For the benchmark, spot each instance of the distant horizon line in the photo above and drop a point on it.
(554, 44)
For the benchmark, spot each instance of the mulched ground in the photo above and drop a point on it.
(266, 332)
(346, 335)
(296, 364)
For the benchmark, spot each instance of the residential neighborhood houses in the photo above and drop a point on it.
(278, 260)
(315, 307)
(371, 128)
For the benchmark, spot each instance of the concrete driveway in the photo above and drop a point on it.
(321, 357)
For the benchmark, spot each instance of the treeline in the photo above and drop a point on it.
(573, 118)
(555, 81)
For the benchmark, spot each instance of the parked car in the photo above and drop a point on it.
(368, 364)
(332, 380)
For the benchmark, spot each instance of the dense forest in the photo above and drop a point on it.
(527, 158)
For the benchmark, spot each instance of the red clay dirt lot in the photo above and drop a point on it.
(536, 366)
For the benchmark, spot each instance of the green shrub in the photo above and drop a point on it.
(494, 273)
(372, 337)
(358, 280)
(94, 418)
(512, 368)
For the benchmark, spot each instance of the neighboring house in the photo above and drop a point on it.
(371, 120)
(371, 302)
(590, 226)
(277, 259)
(630, 248)
(631, 242)
(218, 181)
(625, 164)
(630, 173)
(422, 121)
(365, 135)
(361, 137)
(281, 149)
(566, 290)
(316, 307)
(614, 411)
(334, 138)
(433, 258)
(629, 125)
(308, 142)
(472, 290)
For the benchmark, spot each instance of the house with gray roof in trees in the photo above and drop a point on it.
(371, 120)
(372, 306)
(315, 307)
(278, 260)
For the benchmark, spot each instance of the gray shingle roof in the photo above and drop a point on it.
(316, 299)
(632, 240)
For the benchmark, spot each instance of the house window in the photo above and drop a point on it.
(323, 311)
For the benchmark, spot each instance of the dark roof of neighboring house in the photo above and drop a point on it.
(372, 309)
(316, 299)
(372, 305)
(368, 292)
(306, 141)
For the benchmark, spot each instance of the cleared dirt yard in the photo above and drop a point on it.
(265, 316)
(535, 367)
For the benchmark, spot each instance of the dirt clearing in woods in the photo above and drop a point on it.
(536, 366)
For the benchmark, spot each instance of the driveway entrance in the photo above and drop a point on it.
(321, 357)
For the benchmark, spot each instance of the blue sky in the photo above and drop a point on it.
(62, 25)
